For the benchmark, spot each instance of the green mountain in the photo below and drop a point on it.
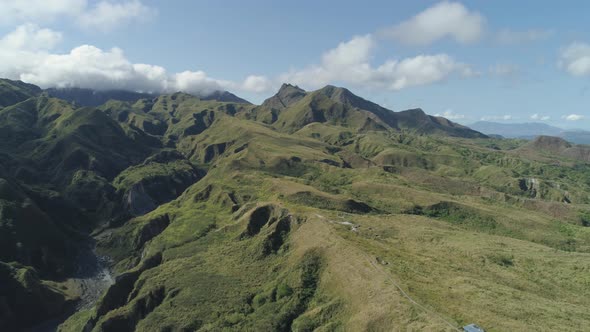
(90, 97)
(315, 211)
(292, 108)
(12, 92)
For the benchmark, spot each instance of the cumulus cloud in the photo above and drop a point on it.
(349, 62)
(451, 115)
(513, 37)
(256, 84)
(575, 59)
(103, 15)
(30, 37)
(573, 117)
(538, 116)
(443, 20)
(25, 54)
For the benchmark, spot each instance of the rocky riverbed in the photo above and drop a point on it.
(91, 279)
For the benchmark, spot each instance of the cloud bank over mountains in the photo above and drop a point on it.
(27, 53)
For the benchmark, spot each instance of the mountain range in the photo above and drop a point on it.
(314, 211)
(530, 131)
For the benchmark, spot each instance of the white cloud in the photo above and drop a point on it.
(512, 37)
(25, 55)
(39, 10)
(538, 116)
(575, 59)
(505, 117)
(30, 37)
(256, 84)
(103, 15)
(573, 117)
(109, 15)
(349, 62)
(443, 20)
(350, 53)
(451, 115)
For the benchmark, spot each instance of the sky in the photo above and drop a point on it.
(504, 61)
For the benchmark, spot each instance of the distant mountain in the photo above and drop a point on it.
(516, 130)
(90, 97)
(530, 130)
(225, 96)
(577, 136)
(174, 213)
(292, 108)
(93, 98)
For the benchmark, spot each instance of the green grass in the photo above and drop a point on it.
(308, 223)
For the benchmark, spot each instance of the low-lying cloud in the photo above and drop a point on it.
(25, 54)
(573, 117)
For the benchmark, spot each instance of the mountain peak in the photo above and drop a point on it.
(289, 89)
(225, 96)
(287, 95)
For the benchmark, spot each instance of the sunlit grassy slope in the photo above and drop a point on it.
(316, 211)
(316, 230)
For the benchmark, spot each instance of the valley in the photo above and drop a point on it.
(314, 211)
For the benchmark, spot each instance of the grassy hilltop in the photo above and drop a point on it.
(315, 211)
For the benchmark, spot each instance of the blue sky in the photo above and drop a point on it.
(496, 60)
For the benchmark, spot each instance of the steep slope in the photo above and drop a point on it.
(337, 215)
(294, 109)
(418, 121)
(286, 96)
(276, 251)
(270, 109)
(12, 92)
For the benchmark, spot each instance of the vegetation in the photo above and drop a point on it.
(316, 211)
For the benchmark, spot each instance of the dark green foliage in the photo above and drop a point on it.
(12, 92)
(329, 203)
(243, 246)
(585, 219)
(24, 299)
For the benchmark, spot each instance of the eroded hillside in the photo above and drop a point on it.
(313, 211)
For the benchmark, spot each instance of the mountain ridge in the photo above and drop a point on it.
(530, 130)
(178, 213)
